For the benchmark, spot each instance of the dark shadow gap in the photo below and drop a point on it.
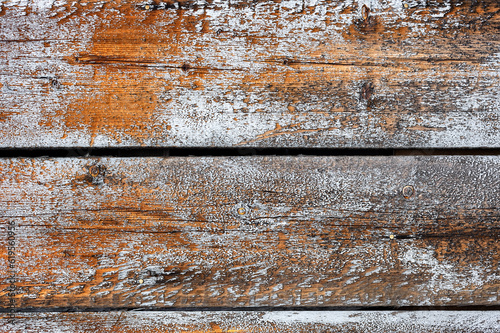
(165, 152)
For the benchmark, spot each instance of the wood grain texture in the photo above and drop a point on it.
(251, 231)
(287, 73)
(246, 322)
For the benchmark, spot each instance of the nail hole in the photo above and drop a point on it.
(242, 211)
(286, 62)
(55, 84)
(408, 191)
(96, 170)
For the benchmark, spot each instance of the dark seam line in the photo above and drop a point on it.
(243, 151)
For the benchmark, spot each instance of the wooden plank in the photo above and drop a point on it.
(286, 73)
(244, 321)
(250, 231)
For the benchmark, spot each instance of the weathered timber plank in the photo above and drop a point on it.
(250, 231)
(250, 73)
(279, 321)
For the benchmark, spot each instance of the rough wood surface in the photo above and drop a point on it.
(279, 321)
(286, 73)
(251, 231)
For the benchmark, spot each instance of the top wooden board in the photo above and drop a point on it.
(261, 73)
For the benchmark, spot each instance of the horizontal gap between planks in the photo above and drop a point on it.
(255, 309)
(247, 151)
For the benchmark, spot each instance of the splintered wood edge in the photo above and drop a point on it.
(256, 321)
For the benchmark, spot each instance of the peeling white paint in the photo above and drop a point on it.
(233, 105)
(327, 247)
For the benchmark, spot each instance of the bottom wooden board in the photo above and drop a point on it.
(258, 321)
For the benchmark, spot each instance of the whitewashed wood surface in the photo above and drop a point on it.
(311, 73)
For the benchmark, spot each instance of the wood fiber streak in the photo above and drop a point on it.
(251, 231)
(287, 73)
(247, 322)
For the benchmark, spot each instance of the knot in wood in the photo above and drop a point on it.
(365, 12)
(366, 91)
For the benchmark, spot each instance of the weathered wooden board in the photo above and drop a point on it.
(250, 231)
(244, 321)
(263, 73)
